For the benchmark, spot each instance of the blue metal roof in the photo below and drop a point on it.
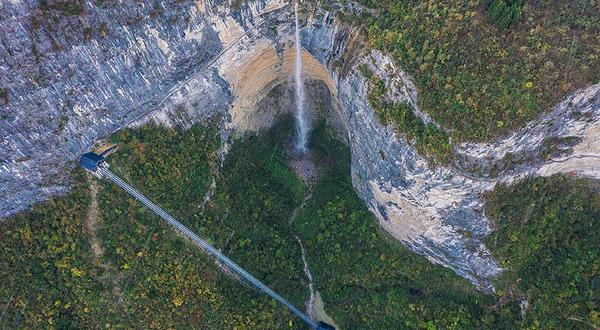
(325, 326)
(90, 161)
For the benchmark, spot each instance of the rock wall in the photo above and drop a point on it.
(67, 87)
(438, 211)
(184, 61)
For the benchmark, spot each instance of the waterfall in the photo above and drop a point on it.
(302, 121)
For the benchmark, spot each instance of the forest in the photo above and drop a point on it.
(547, 237)
(97, 258)
(143, 274)
(484, 68)
(504, 13)
(146, 275)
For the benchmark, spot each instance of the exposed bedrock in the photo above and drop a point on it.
(193, 60)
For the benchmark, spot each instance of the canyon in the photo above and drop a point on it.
(198, 59)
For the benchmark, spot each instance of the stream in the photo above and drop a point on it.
(311, 300)
(306, 170)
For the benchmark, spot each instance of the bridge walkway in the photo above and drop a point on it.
(103, 171)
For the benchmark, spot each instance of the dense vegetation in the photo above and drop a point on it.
(430, 140)
(367, 279)
(146, 275)
(478, 80)
(358, 267)
(174, 168)
(547, 236)
(246, 218)
(45, 270)
(504, 13)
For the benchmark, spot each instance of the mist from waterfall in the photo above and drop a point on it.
(302, 120)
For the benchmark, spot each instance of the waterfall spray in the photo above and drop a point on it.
(302, 121)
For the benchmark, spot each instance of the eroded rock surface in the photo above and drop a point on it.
(81, 77)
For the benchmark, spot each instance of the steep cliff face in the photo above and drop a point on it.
(184, 61)
(78, 78)
(438, 211)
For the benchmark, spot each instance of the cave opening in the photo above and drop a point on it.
(280, 104)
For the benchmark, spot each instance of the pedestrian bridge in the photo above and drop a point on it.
(95, 163)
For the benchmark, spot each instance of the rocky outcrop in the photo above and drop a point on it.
(185, 61)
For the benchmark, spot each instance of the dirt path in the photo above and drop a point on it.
(91, 225)
(91, 221)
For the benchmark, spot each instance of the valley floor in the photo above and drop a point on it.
(97, 258)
